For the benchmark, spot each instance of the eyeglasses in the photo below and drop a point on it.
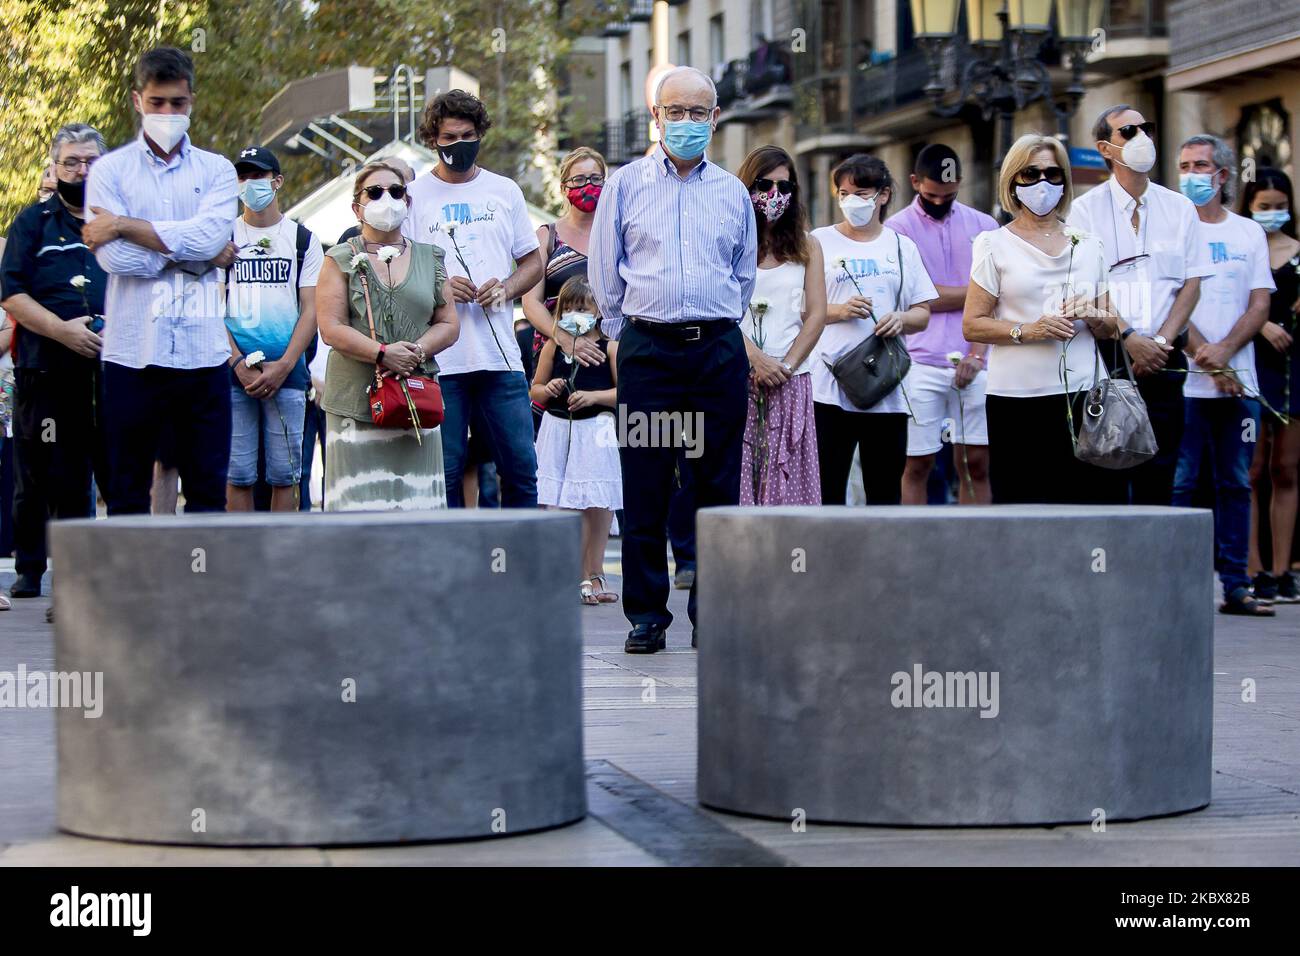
(783, 186)
(1131, 130)
(577, 182)
(675, 114)
(395, 190)
(1032, 174)
(72, 165)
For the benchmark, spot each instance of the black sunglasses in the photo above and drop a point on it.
(1032, 174)
(783, 186)
(396, 191)
(1131, 130)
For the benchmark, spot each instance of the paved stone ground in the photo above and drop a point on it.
(641, 760)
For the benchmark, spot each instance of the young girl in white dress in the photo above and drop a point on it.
(577, 445)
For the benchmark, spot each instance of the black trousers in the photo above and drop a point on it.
(881, 441)
(58, 444)
(194, 406)
(1152, 482)
(1031, 456)
(707, 380)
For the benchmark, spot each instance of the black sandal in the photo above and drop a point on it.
(1241, 603)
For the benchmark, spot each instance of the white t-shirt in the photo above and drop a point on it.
(1028, 284)
(1165, 246)
(874, 267)
(492, 230)
(262, 291)
(1236, 251)
(782, 288)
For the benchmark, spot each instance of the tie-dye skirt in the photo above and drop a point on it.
(368, 468)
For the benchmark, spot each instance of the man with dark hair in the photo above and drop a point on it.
(946, 381)
(163, 213)
(55, 291)
(1149, 236)
(480, 221)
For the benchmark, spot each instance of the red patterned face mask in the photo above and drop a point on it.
(584, 197)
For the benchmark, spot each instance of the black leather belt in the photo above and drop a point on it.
(685, 331)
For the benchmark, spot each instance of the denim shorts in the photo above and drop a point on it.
(277, 421)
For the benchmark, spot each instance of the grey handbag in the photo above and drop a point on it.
(875, 367)
(1116, 430)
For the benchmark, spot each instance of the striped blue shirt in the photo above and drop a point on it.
(156, 310)
(668, 249)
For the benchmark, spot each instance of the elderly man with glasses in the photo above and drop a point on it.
(1149, 234)
(54, 289)
(672, 262)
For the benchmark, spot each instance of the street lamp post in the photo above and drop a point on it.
(1005, 75)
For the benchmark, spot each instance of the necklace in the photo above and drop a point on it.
(366, 243)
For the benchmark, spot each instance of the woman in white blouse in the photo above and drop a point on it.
(781, 327)
(1038, 296)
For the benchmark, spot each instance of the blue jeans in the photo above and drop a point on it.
(499, 402)
(276, 423)
(1228, 427)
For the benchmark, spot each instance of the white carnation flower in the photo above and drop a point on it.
(254, 359)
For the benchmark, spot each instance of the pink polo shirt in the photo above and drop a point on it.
(945, 249)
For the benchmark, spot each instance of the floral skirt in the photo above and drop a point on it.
(778, 464)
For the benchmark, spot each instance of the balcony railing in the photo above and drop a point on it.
(765, 70)
(640, 11)
(612, 146)
(892, 84)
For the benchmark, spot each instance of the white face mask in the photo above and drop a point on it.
(384, 213)
(165, 129)
(858, 211)
(1040, 198)
(1139, 153)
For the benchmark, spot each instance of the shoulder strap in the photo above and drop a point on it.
(370, 318)
(898, 301)
(550, 244)
(302, 242)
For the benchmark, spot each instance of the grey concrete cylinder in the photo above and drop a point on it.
(1079, 641)
(321, 679)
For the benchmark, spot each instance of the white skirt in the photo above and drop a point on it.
(582, 470)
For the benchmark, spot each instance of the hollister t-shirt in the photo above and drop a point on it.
(482, 227)
(1236, 251)
(873, 268)
(262, 292)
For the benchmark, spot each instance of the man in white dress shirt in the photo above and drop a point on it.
(162, 217)
(1150, 237)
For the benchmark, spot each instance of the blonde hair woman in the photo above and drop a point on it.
(564, 249)
(368, 468)
(1038, 296)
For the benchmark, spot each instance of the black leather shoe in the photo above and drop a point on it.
(26, 587)
(645, 639)
(693, 644)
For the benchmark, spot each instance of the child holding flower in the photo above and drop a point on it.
(577, 446)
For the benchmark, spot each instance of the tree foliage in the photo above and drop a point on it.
(72, 62)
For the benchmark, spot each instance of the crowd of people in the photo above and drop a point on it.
(165, 314)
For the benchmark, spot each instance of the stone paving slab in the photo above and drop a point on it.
(640, 723)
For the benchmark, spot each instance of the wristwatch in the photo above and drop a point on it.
(1159, 340)
(1016, 334)
(1123, 336)
(788, 369)
(379, 359)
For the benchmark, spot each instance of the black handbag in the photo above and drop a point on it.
(875, 367)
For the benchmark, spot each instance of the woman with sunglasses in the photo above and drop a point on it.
(785, 318)
(1038, 296)
(1270, 201)
(564, 248)
(368, 468)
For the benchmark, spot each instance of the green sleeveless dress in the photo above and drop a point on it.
(368, 468)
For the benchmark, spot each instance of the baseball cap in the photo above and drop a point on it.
(257, 157)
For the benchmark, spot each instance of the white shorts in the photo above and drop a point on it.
(936, 415)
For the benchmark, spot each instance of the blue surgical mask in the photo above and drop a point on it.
(257, 194)
(577, 323)
(1200, 188)
(1272, 219)
(687, 139)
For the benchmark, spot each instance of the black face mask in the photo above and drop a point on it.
(936, 210)
(74, 194)
(459, 156)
